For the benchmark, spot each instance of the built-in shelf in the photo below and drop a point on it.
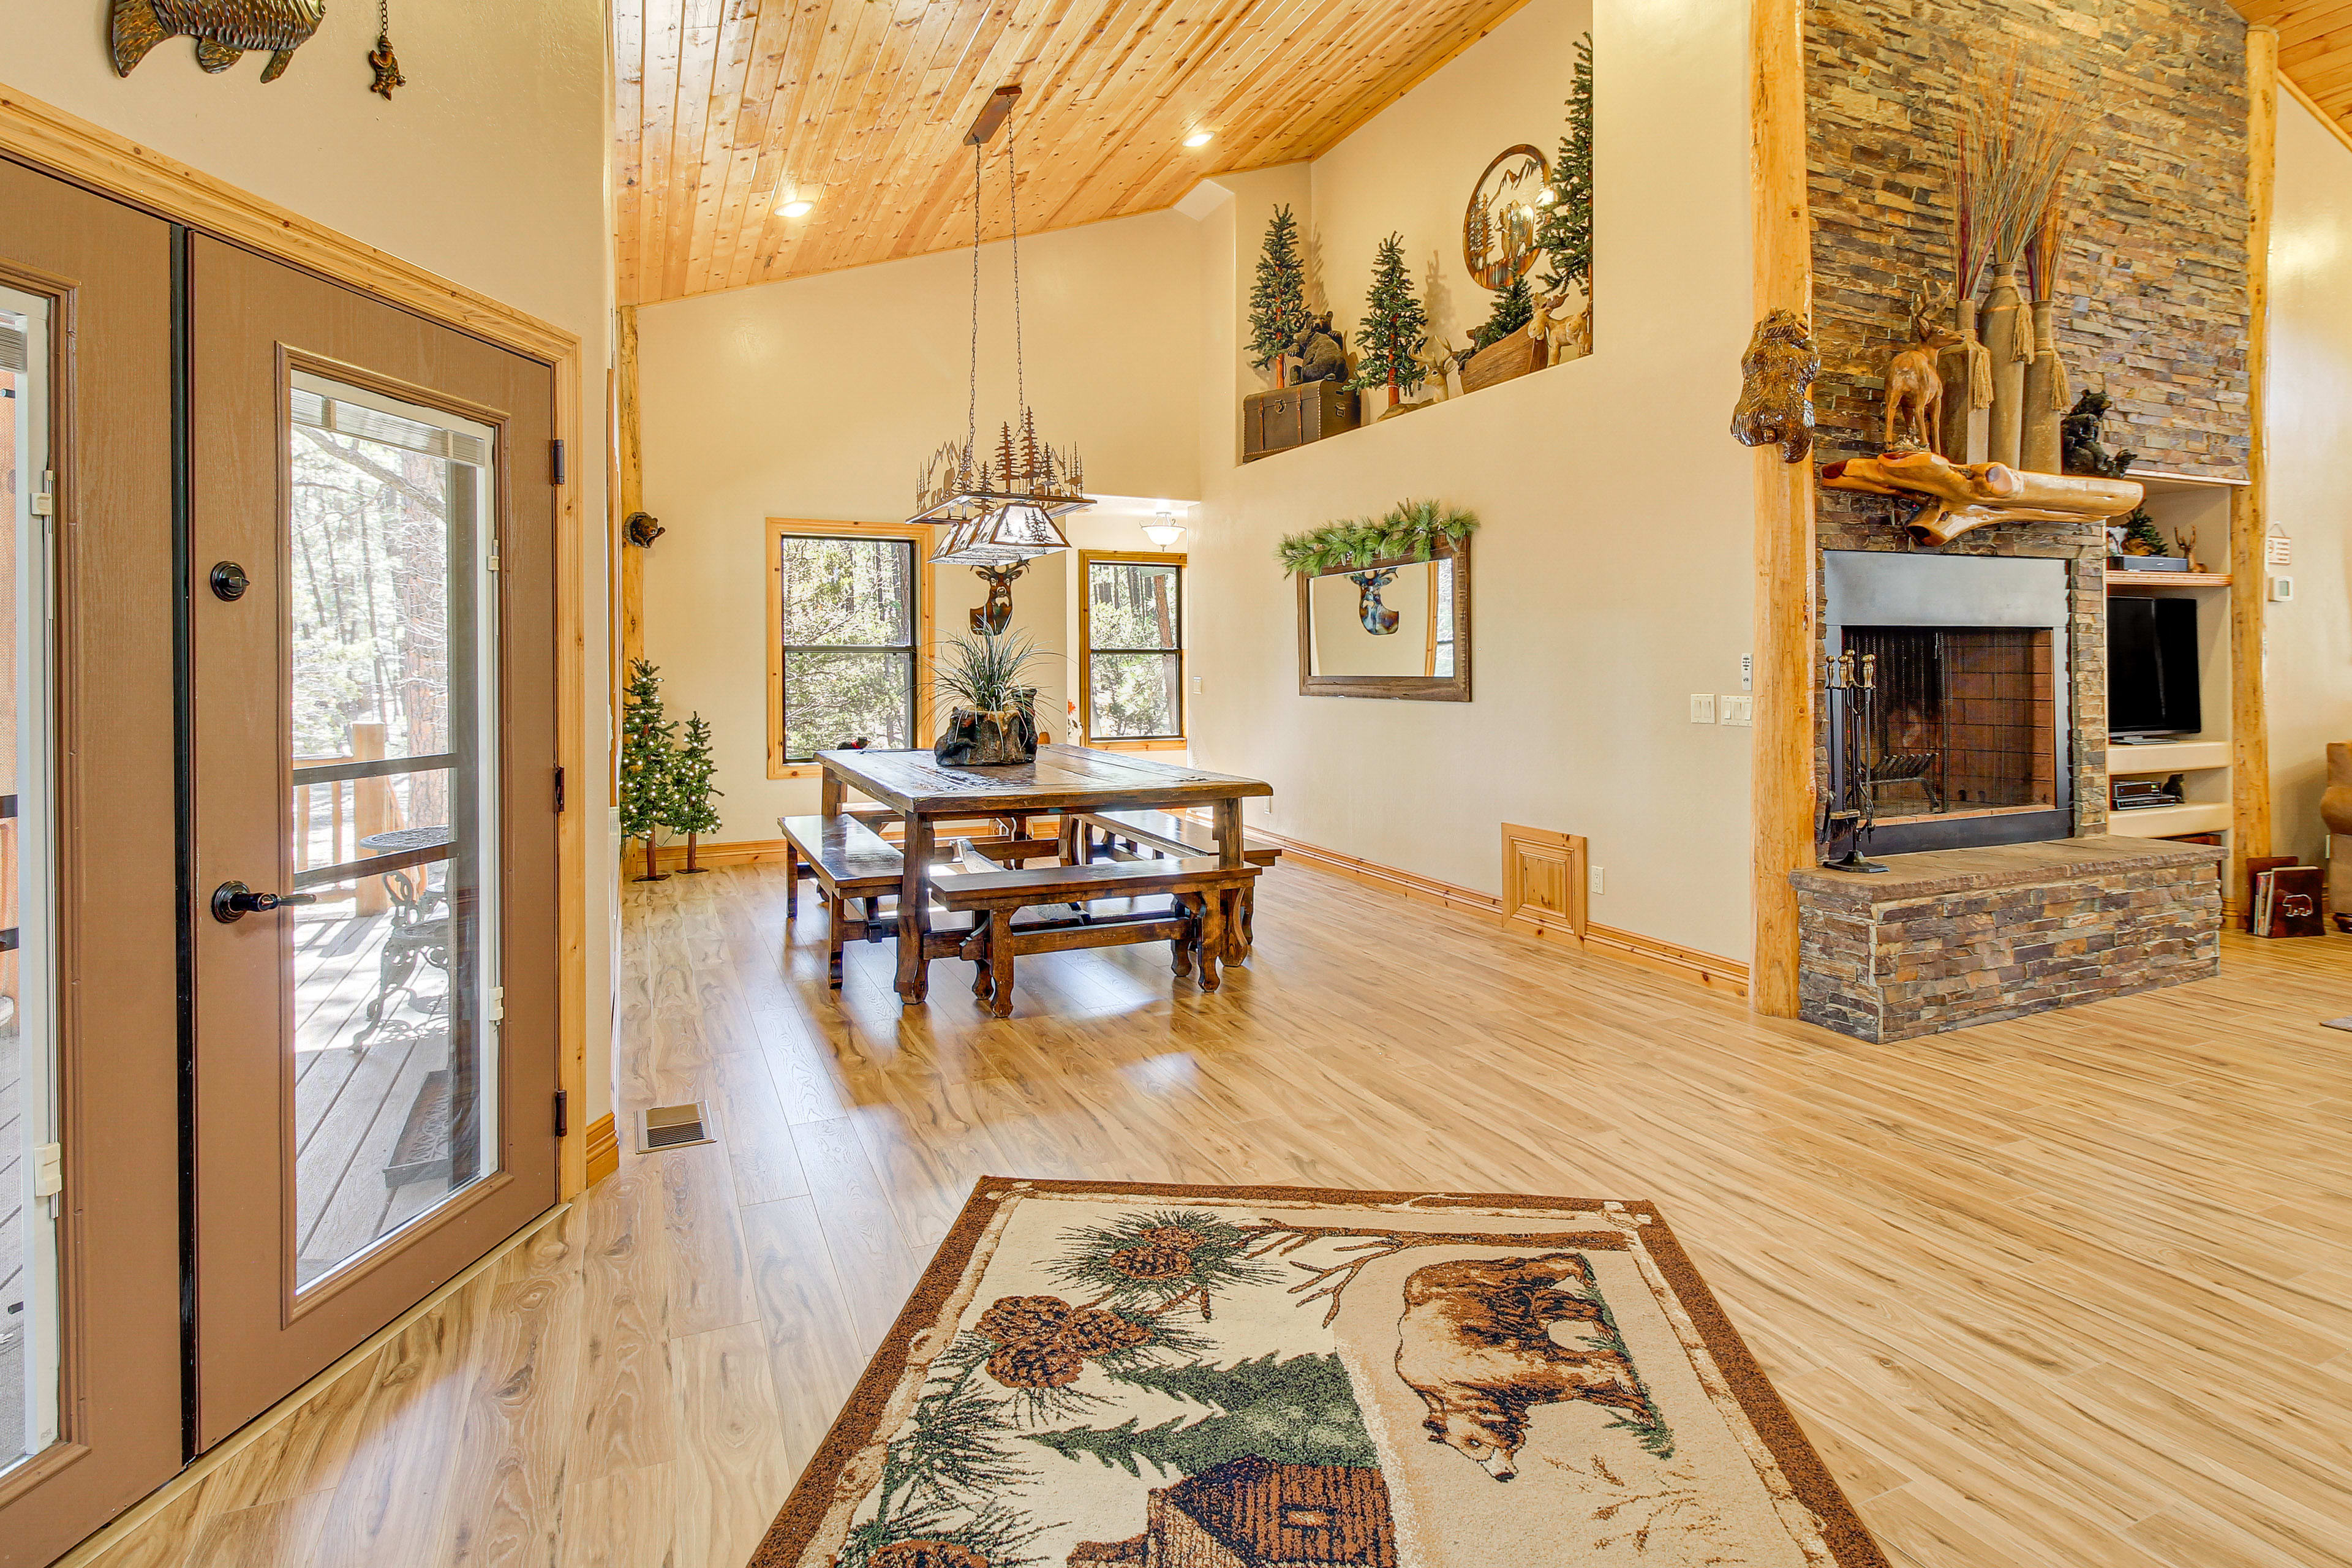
(2166, 821)
(2117, 580)
(2168, 757)
(2157, 479)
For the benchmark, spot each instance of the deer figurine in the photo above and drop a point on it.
(1559, 332)
(1915, 390)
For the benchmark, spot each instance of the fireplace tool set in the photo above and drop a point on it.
(1850, 811)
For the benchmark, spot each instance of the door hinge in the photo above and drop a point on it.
(497, 1003)
(492, 563)
(562, 1112)
(559, 789)
(558, 461)
(45, 503)
(49, 1170)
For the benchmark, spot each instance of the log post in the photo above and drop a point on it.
(2250, 749)
(1783, 781)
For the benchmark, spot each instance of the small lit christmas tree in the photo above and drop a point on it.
(1514, 308)
(1395, 327)
(1278, 310)
(690, 771)
(648, 764)
(1566, 232)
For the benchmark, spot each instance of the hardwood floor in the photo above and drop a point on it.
(2074, 1289)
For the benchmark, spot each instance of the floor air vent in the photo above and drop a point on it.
(671, 1127)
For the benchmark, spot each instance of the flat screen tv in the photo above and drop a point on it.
(2152, 685)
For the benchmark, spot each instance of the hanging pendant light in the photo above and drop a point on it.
(998, 508)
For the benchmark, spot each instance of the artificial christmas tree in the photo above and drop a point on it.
(648, 764)
(1565, 233)
(1395, 328)
(1278, 313)
(1514, 308)
(691, 768)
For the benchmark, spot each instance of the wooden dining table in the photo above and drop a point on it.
(1063, 780)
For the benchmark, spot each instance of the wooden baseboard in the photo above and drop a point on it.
(603, 1149)
(1727, 977)
(670, 856)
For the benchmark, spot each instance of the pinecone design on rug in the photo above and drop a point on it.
(926, 1554)
(1042, 1341)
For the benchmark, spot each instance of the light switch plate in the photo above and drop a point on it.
(1702, 706)
(2282, 589)
(1737, 710)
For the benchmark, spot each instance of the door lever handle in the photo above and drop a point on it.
(231, 901)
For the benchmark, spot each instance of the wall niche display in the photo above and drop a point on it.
(1396, 626)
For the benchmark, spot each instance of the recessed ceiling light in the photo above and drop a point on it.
(1198, 139)
(798, 209)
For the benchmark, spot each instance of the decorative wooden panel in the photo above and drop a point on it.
(1543, 879)
(726, 110)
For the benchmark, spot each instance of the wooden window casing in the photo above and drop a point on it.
(1087, 649)
(780, 529)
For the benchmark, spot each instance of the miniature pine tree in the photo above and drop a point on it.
(1395, 327)
(691, 768)
(1566, 231)
(648, 785)
(1514, 308)
(1278, 310)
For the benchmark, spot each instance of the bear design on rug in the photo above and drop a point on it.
(1475, 1342)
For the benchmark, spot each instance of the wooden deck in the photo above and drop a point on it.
(354, 1083)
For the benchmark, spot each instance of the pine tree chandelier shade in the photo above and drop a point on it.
(998, 508)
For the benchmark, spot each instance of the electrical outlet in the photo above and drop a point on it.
(1593, 881)
(1702, 706)
(1746, 672)
(1196, 686)
(1738, 709)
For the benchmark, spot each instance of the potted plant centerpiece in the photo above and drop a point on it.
(995, 719)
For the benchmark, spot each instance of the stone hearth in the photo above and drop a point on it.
(1955, 937)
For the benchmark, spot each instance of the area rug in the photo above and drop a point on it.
(1225, 1377)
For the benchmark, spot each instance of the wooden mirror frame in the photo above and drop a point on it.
(1455, 688)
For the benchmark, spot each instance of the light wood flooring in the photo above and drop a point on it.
(2075, 1289)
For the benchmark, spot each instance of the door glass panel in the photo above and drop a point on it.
(28, 1213)
(392, 613)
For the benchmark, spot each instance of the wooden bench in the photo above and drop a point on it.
(851, 864)
(1195, 930)
(1167, 834)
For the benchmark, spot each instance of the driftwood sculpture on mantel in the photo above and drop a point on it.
(1957, 498)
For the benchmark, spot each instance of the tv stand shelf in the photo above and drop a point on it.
(2164, 821)
(2118, 581)
(2167, 757)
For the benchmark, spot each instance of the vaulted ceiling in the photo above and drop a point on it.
(731, 109)
(2314, 47)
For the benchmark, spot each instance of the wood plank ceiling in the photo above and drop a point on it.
(729, 109)
(2315, 48)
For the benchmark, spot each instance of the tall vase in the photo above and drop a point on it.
(2009, 339)
(2045, 395)
(1965, 420)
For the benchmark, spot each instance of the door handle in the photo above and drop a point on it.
(231, 901)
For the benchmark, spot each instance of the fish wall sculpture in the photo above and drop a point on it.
(224, 30)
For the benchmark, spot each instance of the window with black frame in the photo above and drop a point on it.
(846, 621)
(1134, 639)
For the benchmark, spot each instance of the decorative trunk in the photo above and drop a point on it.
(2045, 395)
(1966, 423)
(2009, 339)
(690, 864)
(652, 874)
(989, 738)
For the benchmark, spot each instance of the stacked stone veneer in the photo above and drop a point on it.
(1958, 937)
(2152, 305)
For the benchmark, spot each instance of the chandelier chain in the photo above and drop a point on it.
(971, 395)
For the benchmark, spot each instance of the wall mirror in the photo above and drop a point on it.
(1397, 628)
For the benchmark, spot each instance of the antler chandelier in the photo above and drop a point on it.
(998, 510)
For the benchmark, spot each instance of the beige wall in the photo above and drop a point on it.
(2308, 669)
(820, 397)
(1610, 579)
(489, 168)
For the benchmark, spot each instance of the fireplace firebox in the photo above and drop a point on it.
(1965, 740)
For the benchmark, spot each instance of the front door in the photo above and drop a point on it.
(372, 682)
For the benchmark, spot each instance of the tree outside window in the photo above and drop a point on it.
(846, 621)
(1134, 634)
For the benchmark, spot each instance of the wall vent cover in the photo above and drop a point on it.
(671, 1127)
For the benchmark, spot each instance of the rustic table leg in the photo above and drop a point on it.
(999, 962)
(914, 974)
(1213, 937)
(1231, 851)
(829, 793)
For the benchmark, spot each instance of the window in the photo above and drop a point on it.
(844, 608)
(1131, 626)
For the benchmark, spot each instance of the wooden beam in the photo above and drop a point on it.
(2249, 747)
(1782, 784)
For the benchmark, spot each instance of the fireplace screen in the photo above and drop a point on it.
(1962, 720)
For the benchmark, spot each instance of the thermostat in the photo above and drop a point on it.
(2282, 589)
